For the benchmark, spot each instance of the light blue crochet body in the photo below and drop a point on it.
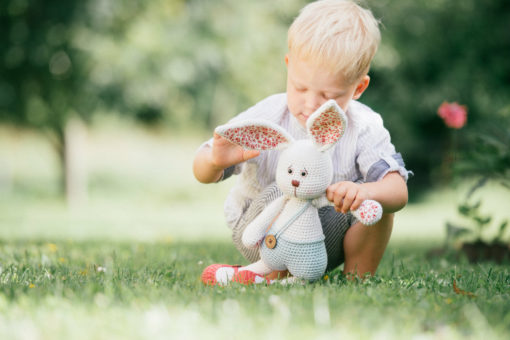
(307, 260)
(304, 260)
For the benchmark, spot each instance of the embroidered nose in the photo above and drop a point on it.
(295, 183)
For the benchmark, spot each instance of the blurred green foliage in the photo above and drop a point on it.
(432, 51)
(196, 63)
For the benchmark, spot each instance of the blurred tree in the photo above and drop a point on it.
(43, 79)
(432, 51)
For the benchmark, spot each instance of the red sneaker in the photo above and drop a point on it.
(247, 277)
(209, 274)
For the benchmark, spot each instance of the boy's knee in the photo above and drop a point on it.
(387, 219)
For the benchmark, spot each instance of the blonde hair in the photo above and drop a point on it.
(338, 34)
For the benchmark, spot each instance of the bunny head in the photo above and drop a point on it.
(304, 168)
(303, 171)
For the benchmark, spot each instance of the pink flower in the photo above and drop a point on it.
(453, 114)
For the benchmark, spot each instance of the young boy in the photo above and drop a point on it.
(330, 47)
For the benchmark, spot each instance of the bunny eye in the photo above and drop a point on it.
(290, 171)
(304, 173)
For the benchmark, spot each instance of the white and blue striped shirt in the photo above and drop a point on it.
(363, 154)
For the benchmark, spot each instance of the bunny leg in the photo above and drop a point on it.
(268, 195)
(254, 232)
(258, 267)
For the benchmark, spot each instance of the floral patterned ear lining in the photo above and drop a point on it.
(327, 124)
(255, 135)
(369, 212)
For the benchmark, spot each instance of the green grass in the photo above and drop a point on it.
(110, 290)
(126, 263)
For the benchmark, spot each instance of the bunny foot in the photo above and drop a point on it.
(223, 274)
(219, 274)
(247, 277)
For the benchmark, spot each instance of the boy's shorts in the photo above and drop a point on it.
(334, 227)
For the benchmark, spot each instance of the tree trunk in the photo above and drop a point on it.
(75, 163)
(70, 146)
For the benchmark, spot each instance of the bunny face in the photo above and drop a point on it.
(303, 171)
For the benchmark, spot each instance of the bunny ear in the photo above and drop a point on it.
(327, 125)
(255, 134)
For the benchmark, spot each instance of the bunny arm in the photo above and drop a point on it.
(321, 201)
(369, 213)
(257, 228)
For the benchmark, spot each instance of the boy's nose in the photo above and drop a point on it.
(313, 102)
(295, 183)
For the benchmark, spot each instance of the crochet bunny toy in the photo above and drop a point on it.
(288, 231)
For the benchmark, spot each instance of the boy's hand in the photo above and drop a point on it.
(226, 154)
(346, 196)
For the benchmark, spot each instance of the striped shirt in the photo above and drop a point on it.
(363, 154)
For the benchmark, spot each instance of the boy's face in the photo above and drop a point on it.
(309, 86)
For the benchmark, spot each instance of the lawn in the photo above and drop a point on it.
(100, 289)
(126, 264)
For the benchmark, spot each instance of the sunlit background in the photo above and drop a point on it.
(103, 104)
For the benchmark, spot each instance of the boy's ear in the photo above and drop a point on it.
(361, 87)
(287, 59)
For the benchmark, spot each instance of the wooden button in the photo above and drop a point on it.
(270, 241)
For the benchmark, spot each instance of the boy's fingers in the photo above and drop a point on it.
(249, 154)
(357, 202)
(349, 198)
(218, 137)
(330, 191)
(220, 141)
(339, 195)
(329, 194)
